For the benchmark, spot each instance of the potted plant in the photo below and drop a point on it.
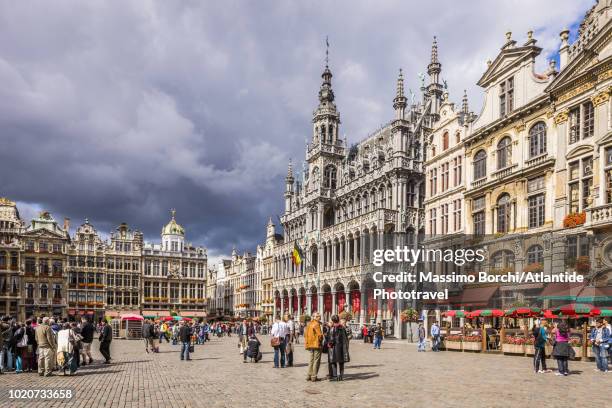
(513, 345)
(453, 342)
(409, 315)
(583, 264)
(576, 344)
(574, 220)
(533, 267)
(472, 343)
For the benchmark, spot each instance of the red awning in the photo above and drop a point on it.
(477, 296)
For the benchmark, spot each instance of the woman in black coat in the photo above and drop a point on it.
(338, 348)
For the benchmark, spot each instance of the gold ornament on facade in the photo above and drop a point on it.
(604, 75)
(576, 91)
(600, 98)
(6, 201)
(561, 117)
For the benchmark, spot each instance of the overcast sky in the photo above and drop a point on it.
(120, 110)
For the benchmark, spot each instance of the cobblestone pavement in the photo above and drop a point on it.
(396, 376)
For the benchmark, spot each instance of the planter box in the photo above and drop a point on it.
(452, 345)
(472, 346)
(578, 351)
(590, 352)
(513, 348)
(529, 349)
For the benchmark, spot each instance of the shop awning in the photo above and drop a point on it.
(561, 291)
(592, 294)
(477, 296)
(151, 314)
(198, 313)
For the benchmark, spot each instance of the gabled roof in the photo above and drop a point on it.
(507, 59)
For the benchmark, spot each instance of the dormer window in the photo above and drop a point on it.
(506, 97)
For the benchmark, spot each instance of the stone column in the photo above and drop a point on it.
(362, 305)
(309, 303)
(379, 310)
(299, 311)
(334, 305)
(282, 298)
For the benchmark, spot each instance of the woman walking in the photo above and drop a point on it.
(562, 351)
(338, 350)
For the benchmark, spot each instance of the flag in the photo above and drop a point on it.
(296, 256)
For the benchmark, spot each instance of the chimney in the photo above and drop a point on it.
(66, 224)
(563, 49)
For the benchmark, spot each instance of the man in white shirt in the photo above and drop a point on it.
(289, 339)
(279, 330)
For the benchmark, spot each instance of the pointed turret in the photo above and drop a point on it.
(289, 181)
(326, 117)
(434, 89)
(464, 102)
(399, 102)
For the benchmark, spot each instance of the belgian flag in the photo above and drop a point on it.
(296, 255)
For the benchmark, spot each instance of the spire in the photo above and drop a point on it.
(289, 171)
(434, 66)
(399, 103)
(464, 102)
(434, 51)
(326, 94)
(173, 212)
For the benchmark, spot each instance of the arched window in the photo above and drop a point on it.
(445, 141)
(480, 165)
(373, 199)
(503, 213)
(504, 153)
(329, 177)
(30, 291)
(381, 196)
(366, 202)
(57, 291)
(330, 137)
(503, 260)
(457, 137)
(44, 290)
(535, 255)
(323, 134)
(433, 151)
(537, 139)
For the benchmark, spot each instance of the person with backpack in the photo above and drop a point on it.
(540, 339)
(87, 332)
(148, 334)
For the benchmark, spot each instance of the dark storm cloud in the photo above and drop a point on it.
(118, 111)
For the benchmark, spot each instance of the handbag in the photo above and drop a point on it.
(23, 342)
(275, 341)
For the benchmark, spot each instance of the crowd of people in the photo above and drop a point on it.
(49, 345)
(558, 336)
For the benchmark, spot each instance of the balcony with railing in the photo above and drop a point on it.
(599, 216)
(479, 182)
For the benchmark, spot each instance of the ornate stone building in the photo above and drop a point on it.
(124, 272)
(11, 229)
(580, 103)
(174, 275)
(264, 271)
(44, 246)
(86, 273)
(350, 201)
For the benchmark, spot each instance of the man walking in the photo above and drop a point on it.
(87, 332)
(184, 335)
(280, 330)
(106, 336)
(46, 348)
(313, 338)
(599, 337)
(435, 337)
(422, 337)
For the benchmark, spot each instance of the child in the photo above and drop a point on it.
(252, 350)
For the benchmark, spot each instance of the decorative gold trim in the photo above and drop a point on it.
(6, 201)
(561, 117)
(520, 128)
(576, 91)
(600, 98)
(604, 75)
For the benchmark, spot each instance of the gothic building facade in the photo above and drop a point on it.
(350, 201)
